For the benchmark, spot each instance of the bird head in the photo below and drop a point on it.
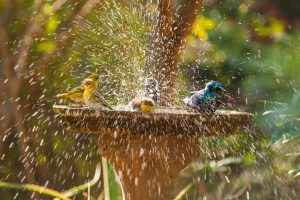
(94, 77)
(214, 86)
(151, 89)
(151, 83)
(89, 84)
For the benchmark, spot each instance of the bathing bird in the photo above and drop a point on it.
(94, 77)
(208, 99)
(76, 94)
(142, 104)
(92, 97)
(151, 89)
(148, 99)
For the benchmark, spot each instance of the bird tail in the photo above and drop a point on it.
(109, 106)
(106, 104)
(186, 101)
(61, 95)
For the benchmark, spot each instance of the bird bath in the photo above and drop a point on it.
(148, 150)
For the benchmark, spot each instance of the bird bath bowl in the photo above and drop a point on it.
(148, 150)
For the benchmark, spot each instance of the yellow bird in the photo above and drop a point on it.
(92, 97)
(143, 104)
(76, 94)
(94, 77)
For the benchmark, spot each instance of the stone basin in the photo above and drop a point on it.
(148, 150)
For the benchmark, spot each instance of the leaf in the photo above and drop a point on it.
(80, 188)
(45, 46)
(183, 191)
(221, 164)
(269, 112)
(52, 24)
(283, 137)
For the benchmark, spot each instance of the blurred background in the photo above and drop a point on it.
(251, 46)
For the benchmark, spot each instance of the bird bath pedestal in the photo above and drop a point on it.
(148, 150)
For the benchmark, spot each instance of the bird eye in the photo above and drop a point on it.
(213, 88)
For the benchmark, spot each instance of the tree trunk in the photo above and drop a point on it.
(173, 24)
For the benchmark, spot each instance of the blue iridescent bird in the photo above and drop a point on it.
(208, 99)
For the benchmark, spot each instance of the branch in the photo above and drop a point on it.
(8, 11)
(50, 192)
(5, 57)
(183, 191)
(75, 190)
(57, 5)
(14, 106)
(15, 82)
(65, 35)
(167, 41)
(164, 22)
(34, 188)
(184, 16)
(77, 19)
(7, 121)
(34, 27)
(221, 187)
(237, 194)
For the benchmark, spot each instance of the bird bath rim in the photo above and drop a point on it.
(162, 121)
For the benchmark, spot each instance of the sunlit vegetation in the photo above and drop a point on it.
(251, 46)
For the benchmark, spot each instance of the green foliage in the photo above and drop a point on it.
(282, 119)
(50, 192)
(257, 58)
(114, 186)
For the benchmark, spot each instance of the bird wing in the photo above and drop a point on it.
(101, 100)
(194, 99)
(75, 90)
(198, 97)
(78, 89)
(134, 104)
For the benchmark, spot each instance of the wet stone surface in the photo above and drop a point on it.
(162, 121)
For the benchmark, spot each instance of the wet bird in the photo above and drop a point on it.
(151, 89)
(148, 99)
(92, 97)
(94, 77)
(208, 99)
(142, 104)
(76, 94)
